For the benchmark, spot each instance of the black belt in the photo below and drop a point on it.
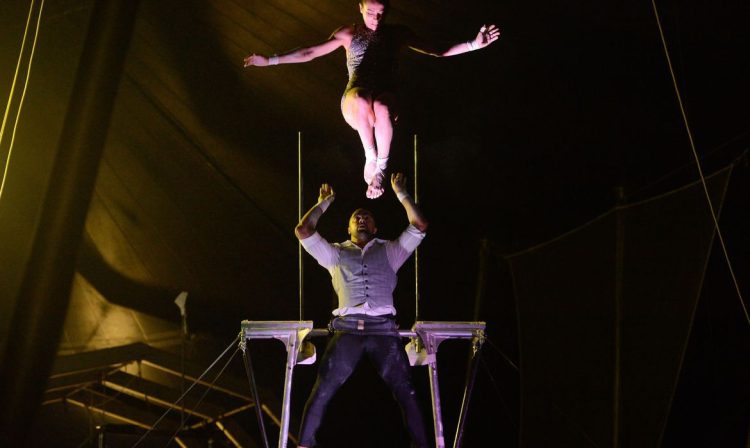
(365, 325)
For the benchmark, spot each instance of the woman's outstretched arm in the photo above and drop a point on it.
(487, 34)
(340, 38)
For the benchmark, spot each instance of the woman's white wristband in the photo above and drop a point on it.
(401, 195)
(472, 46)
(273, 60)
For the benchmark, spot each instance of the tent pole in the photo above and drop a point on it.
(44, 294)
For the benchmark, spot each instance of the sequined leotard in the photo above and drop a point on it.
(372, 58)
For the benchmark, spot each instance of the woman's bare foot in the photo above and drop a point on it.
(375, 187)
(370, 168)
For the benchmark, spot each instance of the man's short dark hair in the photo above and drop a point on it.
(362, 209)
(382, 2)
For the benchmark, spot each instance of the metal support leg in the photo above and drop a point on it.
(437, 416)
(292, 334)
(291, 357)
(432, 334)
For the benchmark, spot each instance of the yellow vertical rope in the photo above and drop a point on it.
(13, 87)
(299, 218)
(416, 251)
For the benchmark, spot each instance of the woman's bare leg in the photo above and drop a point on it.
(358, 113)
(383, 108)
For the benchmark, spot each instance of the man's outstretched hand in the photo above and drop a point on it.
(398, 183)
(326, 193)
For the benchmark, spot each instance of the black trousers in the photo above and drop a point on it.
(342, 355)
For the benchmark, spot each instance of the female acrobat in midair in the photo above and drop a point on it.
(369, 100)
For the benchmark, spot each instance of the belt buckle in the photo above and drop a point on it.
(360, 324)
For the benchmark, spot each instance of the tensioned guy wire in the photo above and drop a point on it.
(23, 92)
(698, 163)
(203, 396)
(205, 372)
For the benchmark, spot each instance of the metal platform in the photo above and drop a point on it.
(422, 350)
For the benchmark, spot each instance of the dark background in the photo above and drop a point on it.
(570, 113)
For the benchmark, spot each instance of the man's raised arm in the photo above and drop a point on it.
(413, 213)
(307, 225)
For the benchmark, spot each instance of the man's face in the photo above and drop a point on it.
(372, 13)
(362, 224)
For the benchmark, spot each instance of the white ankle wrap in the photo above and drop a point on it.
(370, 154)
(382, 163)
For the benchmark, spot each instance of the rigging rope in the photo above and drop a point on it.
(300, 263)
(13, 88)
(203, 396)
(205, 372)
(416, 251)
(698, 163)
